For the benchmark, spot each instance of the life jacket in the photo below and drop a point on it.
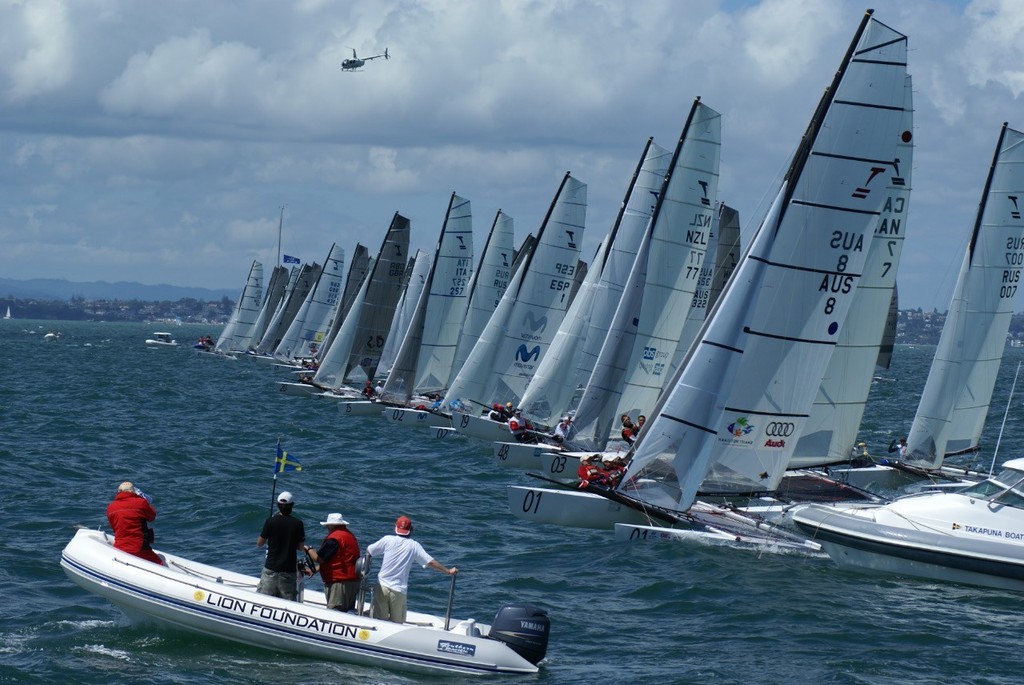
(342, 565)
(517, 425)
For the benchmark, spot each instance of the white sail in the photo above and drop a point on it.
(358, 269)
(487, 285)
(727, 253)
(448, 295)
(511, 348)
(629, 377)
(272, 296)
(471, 379)
(601, 394)
(568, 364)
(334, 364)
(889, 334)
(830, 432)
(303, 279)
(238, 330)
(386, 281)
(728, 421)
(311, 324)
(679, 239)
(719, 261)
(958, 391)
(405, 312)
(542, 297)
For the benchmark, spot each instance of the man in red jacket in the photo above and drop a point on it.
(129, 515)
(337, 558)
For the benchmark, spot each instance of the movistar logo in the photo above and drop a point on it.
(534, 323)
(524, 354)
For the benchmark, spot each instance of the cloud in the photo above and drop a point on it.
(994, 48)
(45, 42)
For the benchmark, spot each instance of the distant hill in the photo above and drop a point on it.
(60, 289)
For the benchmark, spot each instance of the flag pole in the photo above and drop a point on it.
(273, 489)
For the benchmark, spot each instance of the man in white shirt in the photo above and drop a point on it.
(399, 551)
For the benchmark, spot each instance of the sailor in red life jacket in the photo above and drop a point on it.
(337, 558)
(613, 468)
(589, 471)
(129, 515)
(520, 427)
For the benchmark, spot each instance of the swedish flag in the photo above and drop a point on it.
(285, 462)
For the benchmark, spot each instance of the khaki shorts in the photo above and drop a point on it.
(278, 584)
(342, 595)
(389, 604)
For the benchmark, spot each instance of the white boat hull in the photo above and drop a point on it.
(407, 416)
(446, 433)
(625, 532)
(297, 389)
(216, 602)
(936, 535)
(518, 455)
(571, 508)
(480, 427)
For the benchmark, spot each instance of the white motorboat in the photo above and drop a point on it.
(161, 339)
(212, 601)
(972, 535)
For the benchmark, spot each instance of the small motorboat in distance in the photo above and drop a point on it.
(974, 534)
(211, 601)
(161, 339)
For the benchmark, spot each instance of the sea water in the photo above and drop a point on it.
(96, 407)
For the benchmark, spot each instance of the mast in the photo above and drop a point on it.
(280, 225)
(985, 191)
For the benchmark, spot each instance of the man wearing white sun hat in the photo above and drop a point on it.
(337, 557)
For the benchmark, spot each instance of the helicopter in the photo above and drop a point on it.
(356, 61)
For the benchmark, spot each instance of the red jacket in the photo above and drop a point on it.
(128, 514)
(341, 566)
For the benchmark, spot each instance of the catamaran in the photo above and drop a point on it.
(424, 361)
(744, 390)
(363, 333)
(522, 327)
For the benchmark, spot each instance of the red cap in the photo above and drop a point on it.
(403, 526)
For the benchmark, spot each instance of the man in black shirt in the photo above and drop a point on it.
(283, 535)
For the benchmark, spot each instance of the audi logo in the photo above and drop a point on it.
(779, 429)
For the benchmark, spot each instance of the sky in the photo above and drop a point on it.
(158, 141)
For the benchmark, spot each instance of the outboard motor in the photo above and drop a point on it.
(525, 628)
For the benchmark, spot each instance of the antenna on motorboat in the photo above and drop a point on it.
(992, 468)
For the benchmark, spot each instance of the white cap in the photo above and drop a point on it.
(285, 498)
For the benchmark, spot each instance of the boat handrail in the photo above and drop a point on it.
(1008, 489)
(209, 576)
